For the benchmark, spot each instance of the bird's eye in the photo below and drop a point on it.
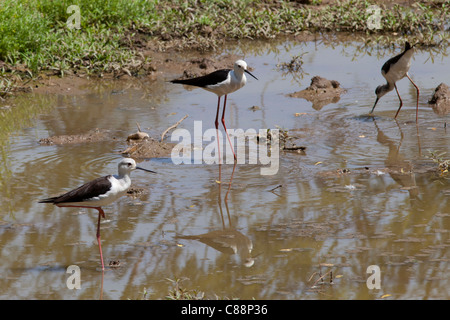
(129, 164)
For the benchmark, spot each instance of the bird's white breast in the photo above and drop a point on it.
(119, 186)
(231, 84)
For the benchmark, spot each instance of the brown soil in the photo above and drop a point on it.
(162, 64)
(70, 85)
(440, 101)
(138, 149)
(321, 92)
(95, 135)
(148, 148)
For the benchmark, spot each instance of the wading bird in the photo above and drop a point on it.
(221, 82)
(98, 193)
(394, 70)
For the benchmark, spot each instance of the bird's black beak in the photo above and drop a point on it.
(251, 74)
(145, 170)
(376, 101)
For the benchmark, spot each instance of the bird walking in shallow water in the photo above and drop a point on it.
(99, 192)
(394, 70)
(221, 82)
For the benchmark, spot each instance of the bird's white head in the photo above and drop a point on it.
(240, 66)
(127, 165)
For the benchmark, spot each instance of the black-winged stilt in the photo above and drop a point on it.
(394, 70)
(99, 192)
(221, 82)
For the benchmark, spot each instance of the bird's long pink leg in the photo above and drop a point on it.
(417, 103)
(101, 213)
(401, 102)
(223, 123)
(217, 128)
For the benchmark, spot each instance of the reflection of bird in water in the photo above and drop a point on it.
(395, 162)
(228, 240)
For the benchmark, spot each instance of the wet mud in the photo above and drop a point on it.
(440, 101)
(320, 92)
(96, 135)
(147, 149)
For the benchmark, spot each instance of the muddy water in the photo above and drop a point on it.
(364, 192)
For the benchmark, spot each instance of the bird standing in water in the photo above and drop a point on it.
(394, 70)
(221, 82)
(99, 192)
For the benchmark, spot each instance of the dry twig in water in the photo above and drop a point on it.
(172, 127)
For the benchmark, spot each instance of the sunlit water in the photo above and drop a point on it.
(391, 209)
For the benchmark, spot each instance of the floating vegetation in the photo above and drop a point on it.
(294, 65)
(180, 293)
(443, 164)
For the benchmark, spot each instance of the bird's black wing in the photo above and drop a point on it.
(394, 60)
(88, 190)
(206, 80)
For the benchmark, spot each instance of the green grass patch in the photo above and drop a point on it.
(35, 36)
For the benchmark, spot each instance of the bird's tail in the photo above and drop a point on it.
(48, 200)
(182, 81)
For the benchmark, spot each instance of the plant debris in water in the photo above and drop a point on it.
(295, 65)
(443, 164)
